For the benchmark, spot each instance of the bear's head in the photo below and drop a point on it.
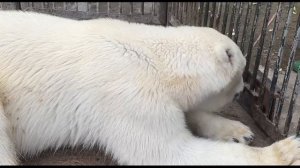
(204, 68)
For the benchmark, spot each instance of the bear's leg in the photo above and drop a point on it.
(7, 149)
(161, 138)
(284, 152)
(219, 128)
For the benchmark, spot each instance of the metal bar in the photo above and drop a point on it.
(172, 11)
(163, 13)
(108, 7)
(167, 16)
(261, 44)
(219, 16)
(97, 6)
(192, 13)
(249, 53)
(177, 10)
(152, 9)
(201, 13)
(288, 73)
(298, 125)
(298, 20)
(206, 14)
(267, 65)
(181, 12)
(232, 17)
(225, 17)
(296, 85)
(171, 7)
(195, 13)
(131, 8)
(298, 128)
(188, 13)
(121, 7)
(294, 97)
(166, 13)
(238, 23)
(212, 18)
(278, 63)
(246, 23)
(143, 8)
(184, 13)
(18, 5)
(266, 70)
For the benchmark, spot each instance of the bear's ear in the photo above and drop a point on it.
(229, 55)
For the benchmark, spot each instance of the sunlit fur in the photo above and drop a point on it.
(122, 86)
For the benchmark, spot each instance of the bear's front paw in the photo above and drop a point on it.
(237, 132)
(285, 152)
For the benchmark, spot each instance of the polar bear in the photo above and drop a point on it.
(131, 88)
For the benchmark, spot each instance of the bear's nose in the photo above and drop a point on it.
(236, 96)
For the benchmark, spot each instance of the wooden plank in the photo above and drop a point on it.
(102, 7)
(83, 6)
(93, 7)
(163, 15)
(8, 5)
(71, 6)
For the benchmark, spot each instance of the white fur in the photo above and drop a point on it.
(118, 85)
(216, 127)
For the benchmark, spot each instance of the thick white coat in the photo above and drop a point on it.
(119, 85)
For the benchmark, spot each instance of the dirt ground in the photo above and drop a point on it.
(97, 157)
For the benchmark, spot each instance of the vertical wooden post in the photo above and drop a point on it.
(18, 5)
(163, 13)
